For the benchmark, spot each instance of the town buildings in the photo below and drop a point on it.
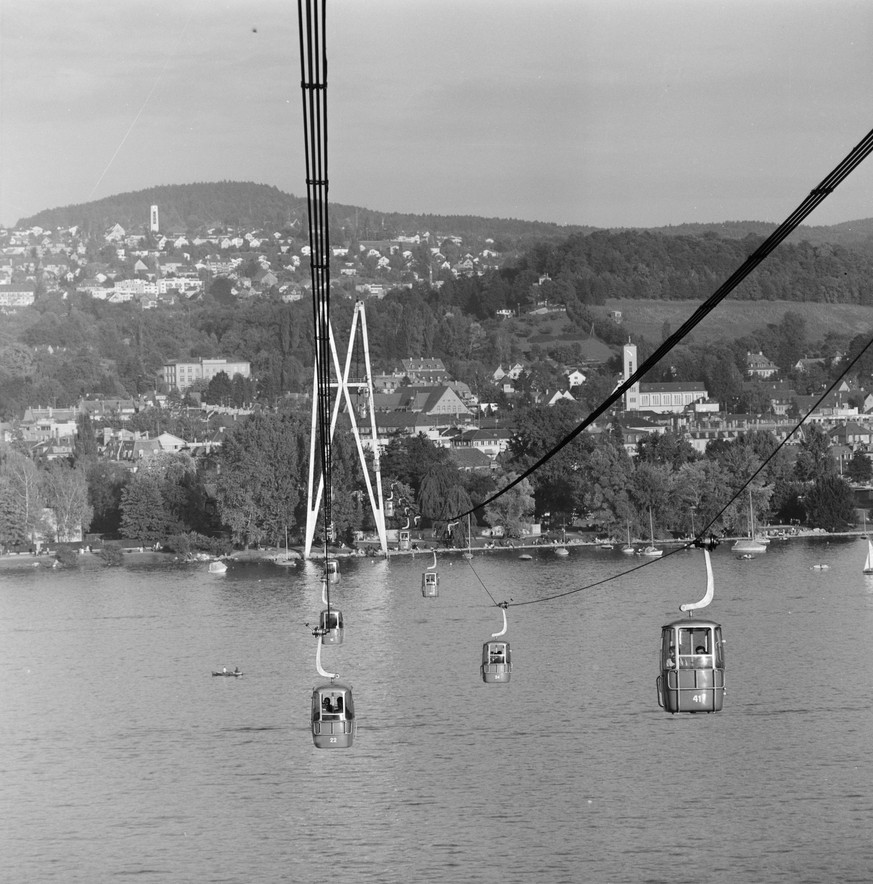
(179, 375)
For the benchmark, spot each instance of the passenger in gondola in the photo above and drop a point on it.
(702, 660)
(670, 662)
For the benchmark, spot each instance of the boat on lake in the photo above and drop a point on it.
(651, 551)
(217, 567)
(628, 548)
(751, 545)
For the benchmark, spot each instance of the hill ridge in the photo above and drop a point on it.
(251, 205)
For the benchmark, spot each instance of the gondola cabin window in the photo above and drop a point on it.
(697, 647)
(331, 620)
(332, 706)
(497, 652)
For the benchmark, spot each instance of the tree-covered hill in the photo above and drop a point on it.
(856, 235)
(247, 205)
(183, 207)
(244, 205)
(649, 266)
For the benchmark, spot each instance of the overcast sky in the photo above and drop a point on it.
(602, 112)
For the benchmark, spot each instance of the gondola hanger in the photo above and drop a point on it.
(503, 606)
(319, 668)
(710, 588)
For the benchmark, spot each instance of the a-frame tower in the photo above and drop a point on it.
(343, 385)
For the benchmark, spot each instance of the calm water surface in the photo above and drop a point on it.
(122, 755)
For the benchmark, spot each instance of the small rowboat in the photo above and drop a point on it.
(235, 674)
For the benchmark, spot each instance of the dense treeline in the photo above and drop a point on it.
(650, 266)
(251, 491)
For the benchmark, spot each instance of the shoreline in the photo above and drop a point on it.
(270, 556)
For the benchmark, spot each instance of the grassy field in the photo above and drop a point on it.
(735, 319)
(730, 320)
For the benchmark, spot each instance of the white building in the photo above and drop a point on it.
(663, 398)
(180, 375)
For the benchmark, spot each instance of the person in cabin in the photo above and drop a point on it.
(702, 660)
(670, 662)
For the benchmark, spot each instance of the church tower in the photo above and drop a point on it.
(153, 220)
(632, 394)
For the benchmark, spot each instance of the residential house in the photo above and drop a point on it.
(43, 424)
(759, 366)
(19, 294)
(852, 434)
(806, 364)
(424, 372)
(491, 442)
(635, 427)
(471, 459)
(558, 395)
(438, 400)
(119, 409)
(513, 372)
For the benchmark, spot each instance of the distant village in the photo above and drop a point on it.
(152, 268)
(418, 395)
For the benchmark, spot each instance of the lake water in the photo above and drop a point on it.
(122, 756)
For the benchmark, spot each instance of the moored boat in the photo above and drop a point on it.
(751, 545)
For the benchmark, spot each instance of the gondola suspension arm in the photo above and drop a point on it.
(710, 588)
(503, 606)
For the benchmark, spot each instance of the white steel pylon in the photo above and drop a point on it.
(342, 386)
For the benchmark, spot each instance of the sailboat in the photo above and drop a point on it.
(749, 546)
(469, 553)
(651, 550)
(868, 564)
(628, 549)
(286, 561)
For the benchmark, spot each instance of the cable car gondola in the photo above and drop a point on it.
(331, 569)
(330, 626)
(430, 580)
(496, 665)
(692, 659)
(333, 716)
